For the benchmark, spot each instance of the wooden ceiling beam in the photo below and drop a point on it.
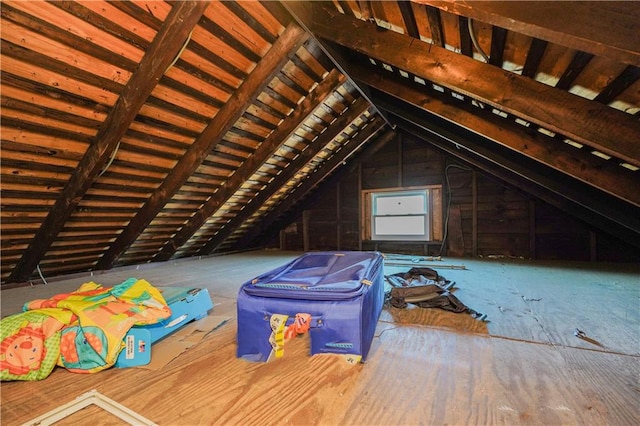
(607, 29)
(498, 41)
(578, 63)
(598, 209)
(162, 51)
(372, 135)
(579, 119)
(286, 45)
(581, 164)
(466, 45)
(622, 82)
(354, 111)
(366, 10)
(435, 25)
(510, 175)
(408, 18)
(277, 10)
(252, 164)
(344, 4)
(534, 57)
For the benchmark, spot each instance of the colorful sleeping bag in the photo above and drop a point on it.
(82, 331)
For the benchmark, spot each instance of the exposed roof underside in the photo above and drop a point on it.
(147, 130)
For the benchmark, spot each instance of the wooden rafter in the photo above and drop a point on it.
(584, 121)
(626, 78)
(466, 45)
(79, 43)
(244, 16)
(498, 40)
(435, 24)
(344, 4)
(594, 27)
(408, 18)
(162, 51)
(534, 56)
(582, 165)
(252, 164)
(287, 44)
(371, 135)
(354, 111)
(276, 9)
(366, 10)
(578, 63)
(521, 176)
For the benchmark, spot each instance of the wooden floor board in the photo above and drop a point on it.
(522, 366)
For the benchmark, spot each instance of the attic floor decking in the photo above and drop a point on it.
(524, 366)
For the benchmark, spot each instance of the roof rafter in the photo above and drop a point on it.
(586, 122)
(373, 129)
(354, 111)
(167, 43)
(522, 176)
(253, 163)
(286, 45)
(611, 178)
(590, 28)
(408, 18)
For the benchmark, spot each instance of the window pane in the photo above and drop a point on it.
(399, 225)
(400, 204)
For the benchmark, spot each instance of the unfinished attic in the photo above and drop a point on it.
(200, 144)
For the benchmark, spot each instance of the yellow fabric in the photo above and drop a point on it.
(98, 318)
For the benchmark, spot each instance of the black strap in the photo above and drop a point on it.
(426, 291)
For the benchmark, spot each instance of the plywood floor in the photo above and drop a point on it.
(523, 366)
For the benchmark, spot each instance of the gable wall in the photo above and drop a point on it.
(509, 223)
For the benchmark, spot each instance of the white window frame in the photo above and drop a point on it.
(433, 202)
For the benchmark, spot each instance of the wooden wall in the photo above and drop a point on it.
(495, 219)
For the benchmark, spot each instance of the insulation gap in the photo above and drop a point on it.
(601, 155)
(500, 113)
(573, 143)
(546, 132)
(630, 167)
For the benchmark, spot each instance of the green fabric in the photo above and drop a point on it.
(30, 346)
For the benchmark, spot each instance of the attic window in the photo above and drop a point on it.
(405, 214)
